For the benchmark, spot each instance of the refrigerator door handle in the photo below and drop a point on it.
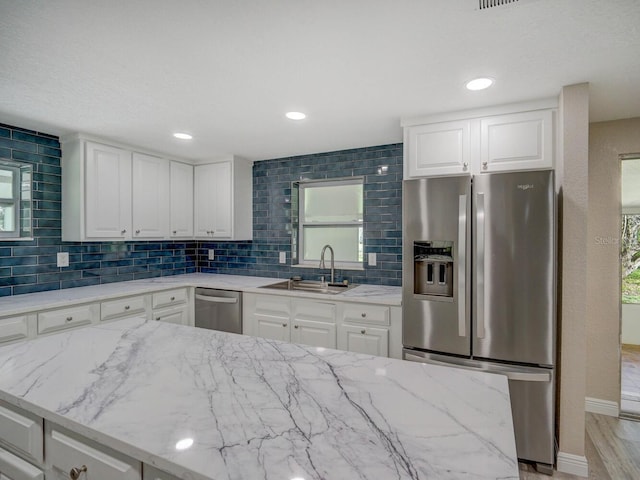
(480, 233)
(462, 262)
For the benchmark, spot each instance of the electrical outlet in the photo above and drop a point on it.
(283, 257)
(62, 259)
(372, 259)
(212, 254)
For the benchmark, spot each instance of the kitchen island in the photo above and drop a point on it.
(201, 404)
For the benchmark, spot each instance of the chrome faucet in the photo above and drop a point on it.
(322, 260)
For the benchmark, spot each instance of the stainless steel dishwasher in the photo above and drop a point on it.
(219, 310)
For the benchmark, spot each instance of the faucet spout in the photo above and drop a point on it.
(322, 265)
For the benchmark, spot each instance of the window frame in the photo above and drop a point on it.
(303, 186)
(22, 204)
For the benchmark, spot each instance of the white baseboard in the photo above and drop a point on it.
(603, 407)
(573, 464)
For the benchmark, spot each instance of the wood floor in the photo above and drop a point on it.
(612, 450)
(630, 398)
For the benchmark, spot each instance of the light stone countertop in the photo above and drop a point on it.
(18, 304)
(257, 408)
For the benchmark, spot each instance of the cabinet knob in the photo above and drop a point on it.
(69, 319)
(75, 472)
(465, 165)
(175, 231)
(127, 307)
(137, 232)
(173, 298)
(363, 331)
(295, 326)
(484, 165)
(284, 324)
(363, 314)
(158, 318)
(123, 231)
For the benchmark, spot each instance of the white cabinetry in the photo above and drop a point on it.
(290, 319)
(181, 197)
(516, 137)
(65, 318)
(172, 306)
(151, 473)
(121, 308)
(14, 468)
(364, 329)
(14, 328)
(21, 443)
(223, 200)
(150, 192)
(67, 451)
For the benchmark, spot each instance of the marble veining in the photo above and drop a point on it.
(257, 408)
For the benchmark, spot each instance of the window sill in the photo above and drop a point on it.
(337, 266)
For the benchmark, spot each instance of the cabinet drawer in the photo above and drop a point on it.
(122, 307)
(66, 450)
(310, 310)
(179, 316)
(21, 430)
(362, 313)
(272, 306)
(65, 318)
(14, 328)
(170, 297)
(14, 468)
(150, 473)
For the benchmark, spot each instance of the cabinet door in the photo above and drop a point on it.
(272, 327)
(66, 451)
(364, 339)
(213, 198)
(181, 197)
(518, 141)
(438, 149)
(266, 316)
(314, 323)
(178, 316)
(107, 192)
(150, 204)
(14, 328)
(14, 468)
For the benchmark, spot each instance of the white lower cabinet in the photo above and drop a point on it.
(14, 328)
(66, 451)
(364, 339)
(179, 316)
(64, 318)
(121, 308)
(151, 473)
(172, 306)
(291, 320)
(14, 468)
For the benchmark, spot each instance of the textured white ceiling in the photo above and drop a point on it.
(226, 71)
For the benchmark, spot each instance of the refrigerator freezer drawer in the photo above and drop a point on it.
(531, 390)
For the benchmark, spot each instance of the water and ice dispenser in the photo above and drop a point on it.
(433, 268)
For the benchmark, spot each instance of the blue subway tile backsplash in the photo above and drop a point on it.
(30, 266)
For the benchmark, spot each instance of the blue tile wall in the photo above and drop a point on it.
(30, 266)
(272, 216)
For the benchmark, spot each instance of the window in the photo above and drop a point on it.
(330, 212)
(15, 200)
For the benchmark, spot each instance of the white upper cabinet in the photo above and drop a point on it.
(96, 192)
(438, 149)
(181, 196)
(514, 137)
(150, 192)
(518, 141)
(223, 200)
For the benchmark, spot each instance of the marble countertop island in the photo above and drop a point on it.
(262, 409)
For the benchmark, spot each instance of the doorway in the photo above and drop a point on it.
(630, 273)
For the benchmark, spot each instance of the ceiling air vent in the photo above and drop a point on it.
(484, 4)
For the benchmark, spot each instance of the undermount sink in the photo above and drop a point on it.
(310, 286)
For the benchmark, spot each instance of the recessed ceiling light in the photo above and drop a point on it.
(183, 136)
(295, 115)
(479, 83)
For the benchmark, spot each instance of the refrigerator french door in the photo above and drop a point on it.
(479, 288)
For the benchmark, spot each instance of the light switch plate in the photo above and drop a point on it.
(372, 259)
(283, 257)
(62, 259)
(212, 254)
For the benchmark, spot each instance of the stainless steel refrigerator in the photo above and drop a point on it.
(479, 288)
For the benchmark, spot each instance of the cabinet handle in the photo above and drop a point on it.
(295, 326)
(123, 231)
(363, 314)
(363, 331)
(137, 232)
(173, 298)
(175, 231)
(127, 307)
(75, 472)
(484, 165)
(69, 319)
(158, 318)
(284, 324)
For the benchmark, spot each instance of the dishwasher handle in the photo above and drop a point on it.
(211, 299)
